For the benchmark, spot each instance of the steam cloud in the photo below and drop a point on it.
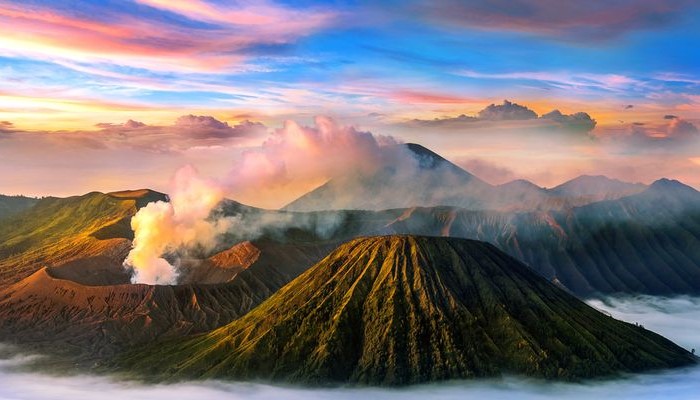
(292, 155)
(162, 227)
(678, 318)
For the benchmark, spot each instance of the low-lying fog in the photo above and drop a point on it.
(676, 318)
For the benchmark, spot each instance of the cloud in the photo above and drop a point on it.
(507, 111)
(675, 135)
(486, 170)
(186, 132)
(564, 80)
(104, 34)
(162, 228)
(570, 21)
(577, 122)
(444, 122)
(510, 111)
(427, 97)
(128, 125)
(6, 127)
(294, 156)
(204, 127)
(679, 128)
(297, 157)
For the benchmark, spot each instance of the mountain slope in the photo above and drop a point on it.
(412, 175)
(71, 312)
(10, 205)
(596, 188)
(60, 230)
(399, 310)
(645, 243)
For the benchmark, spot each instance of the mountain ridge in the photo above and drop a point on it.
(396, 310)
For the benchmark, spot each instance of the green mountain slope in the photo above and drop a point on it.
(401, 309)
(644, 243)
(59, 230)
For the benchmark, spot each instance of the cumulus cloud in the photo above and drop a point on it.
(203, 127)
(297, 156)
(677, 131)
(674, 135)
(444, 122)
(572, 21)
(679, 128)
(507, 111)
(577, 122)
(510, 111)
(186, 132)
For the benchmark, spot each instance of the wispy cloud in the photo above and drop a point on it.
(123, 37)
(562, 79)
(557, 20)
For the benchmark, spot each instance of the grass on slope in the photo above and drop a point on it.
(57, 230)
(400, 309)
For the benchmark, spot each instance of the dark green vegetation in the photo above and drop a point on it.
(13, 204)
(398, 310)
(644, 243)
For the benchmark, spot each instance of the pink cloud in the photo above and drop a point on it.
(427, 97)
(157, 44)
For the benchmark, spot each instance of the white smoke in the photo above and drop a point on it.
(294, 156)
(162, 227)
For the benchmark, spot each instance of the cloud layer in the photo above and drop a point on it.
(558, 20)
(511, 111)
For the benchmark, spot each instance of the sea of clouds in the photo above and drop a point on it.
(677, 318)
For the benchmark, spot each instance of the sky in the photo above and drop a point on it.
(108, 95)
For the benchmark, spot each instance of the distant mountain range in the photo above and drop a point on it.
(415, 176)
(398, 310)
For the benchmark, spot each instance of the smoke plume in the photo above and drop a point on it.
(294, 156)
(162, 227)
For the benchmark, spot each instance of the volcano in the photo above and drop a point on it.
(395, 310)
(413, 175)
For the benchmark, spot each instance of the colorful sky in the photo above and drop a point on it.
(105, 95)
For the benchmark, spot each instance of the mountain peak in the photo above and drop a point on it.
(671, 184)
(417, 177)
(598, 186)
(394, 310)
